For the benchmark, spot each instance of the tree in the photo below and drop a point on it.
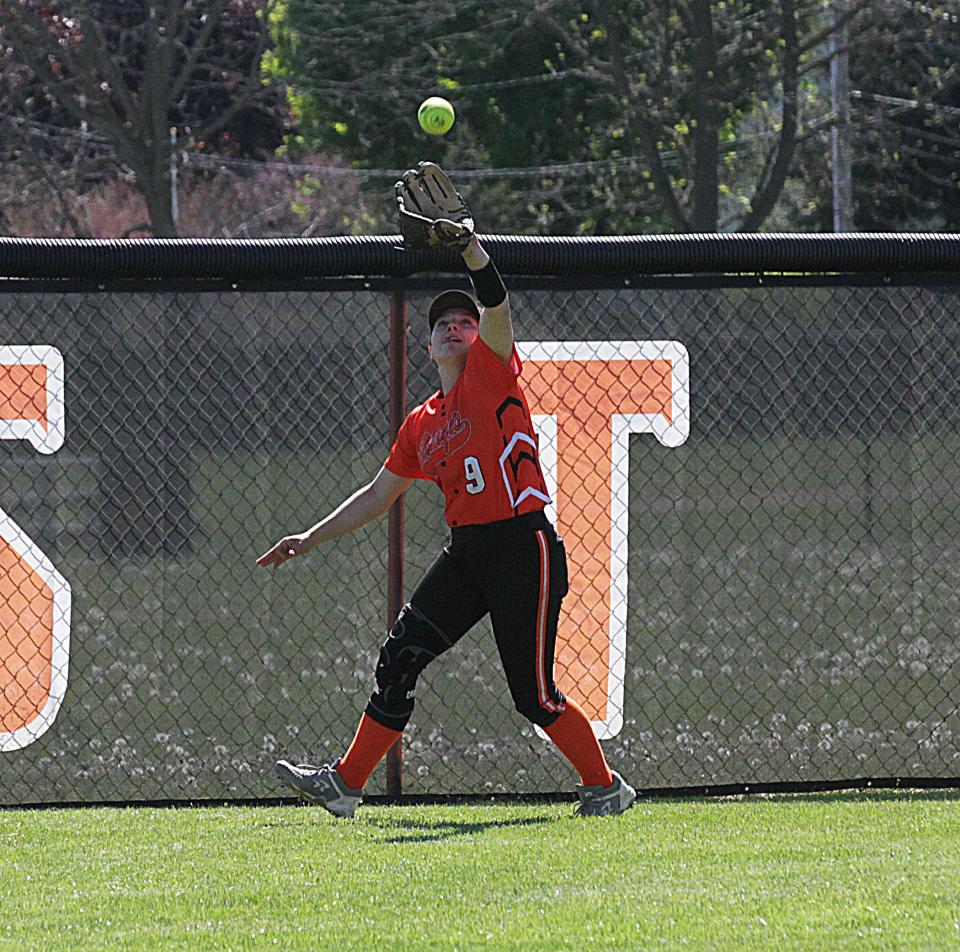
(904, 117)
(678, 115)
(123, 72)
(713, 67)
(356, 73)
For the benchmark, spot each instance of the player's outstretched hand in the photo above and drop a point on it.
(287, 548)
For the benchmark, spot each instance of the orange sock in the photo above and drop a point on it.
(572, 733)
(370, 744)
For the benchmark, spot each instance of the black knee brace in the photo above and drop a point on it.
(414, 642)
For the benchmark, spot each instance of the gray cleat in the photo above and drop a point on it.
(606, 801)
(322, 785)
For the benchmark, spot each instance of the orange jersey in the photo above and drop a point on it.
(476, 443)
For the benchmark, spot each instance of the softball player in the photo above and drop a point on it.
(475, 440)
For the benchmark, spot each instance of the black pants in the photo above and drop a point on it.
(517, 571)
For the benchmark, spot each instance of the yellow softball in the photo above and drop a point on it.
(436, 116)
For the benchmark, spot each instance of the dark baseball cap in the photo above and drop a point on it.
(450, 300)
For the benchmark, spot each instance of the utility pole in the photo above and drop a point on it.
(841, 153)
(841, 160)
(174, 191)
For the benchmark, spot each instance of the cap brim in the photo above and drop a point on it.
(451, 300)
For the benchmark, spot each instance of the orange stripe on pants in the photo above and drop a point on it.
(543, 609)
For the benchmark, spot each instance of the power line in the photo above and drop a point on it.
(537, 171)
(923, 153)
(908, 140)
(55, 134)
(922, 133)
(904, 103)
(212, 159)
(534, 80)
(669, 156)
(52, 132)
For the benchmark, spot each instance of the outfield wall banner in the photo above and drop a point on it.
(586, 398)
(34, 596)
(758, 484)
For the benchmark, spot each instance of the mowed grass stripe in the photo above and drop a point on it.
(844, 870)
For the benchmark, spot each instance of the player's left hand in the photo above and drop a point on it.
(431, 211)
(287, 548)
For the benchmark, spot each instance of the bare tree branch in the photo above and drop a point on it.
(88, 64)
(777, 164)
(645, 134)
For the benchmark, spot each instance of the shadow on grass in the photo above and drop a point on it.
(424, 831)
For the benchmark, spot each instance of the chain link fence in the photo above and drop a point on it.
(768, 595)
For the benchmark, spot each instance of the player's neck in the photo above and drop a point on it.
(450, 373)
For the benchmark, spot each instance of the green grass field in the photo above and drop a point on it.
(877, 870)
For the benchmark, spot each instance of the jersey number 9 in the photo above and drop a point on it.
(475, 483)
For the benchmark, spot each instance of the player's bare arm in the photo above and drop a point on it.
(496, 328)
(363, 506)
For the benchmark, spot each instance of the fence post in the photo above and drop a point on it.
(395, 555)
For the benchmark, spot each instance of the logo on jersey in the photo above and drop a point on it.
(452, 436)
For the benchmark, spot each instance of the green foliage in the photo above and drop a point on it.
(347, 104)
(601, 117)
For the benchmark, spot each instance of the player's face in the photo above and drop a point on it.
(453, 334)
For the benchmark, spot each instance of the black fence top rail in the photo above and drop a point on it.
(566, 257)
